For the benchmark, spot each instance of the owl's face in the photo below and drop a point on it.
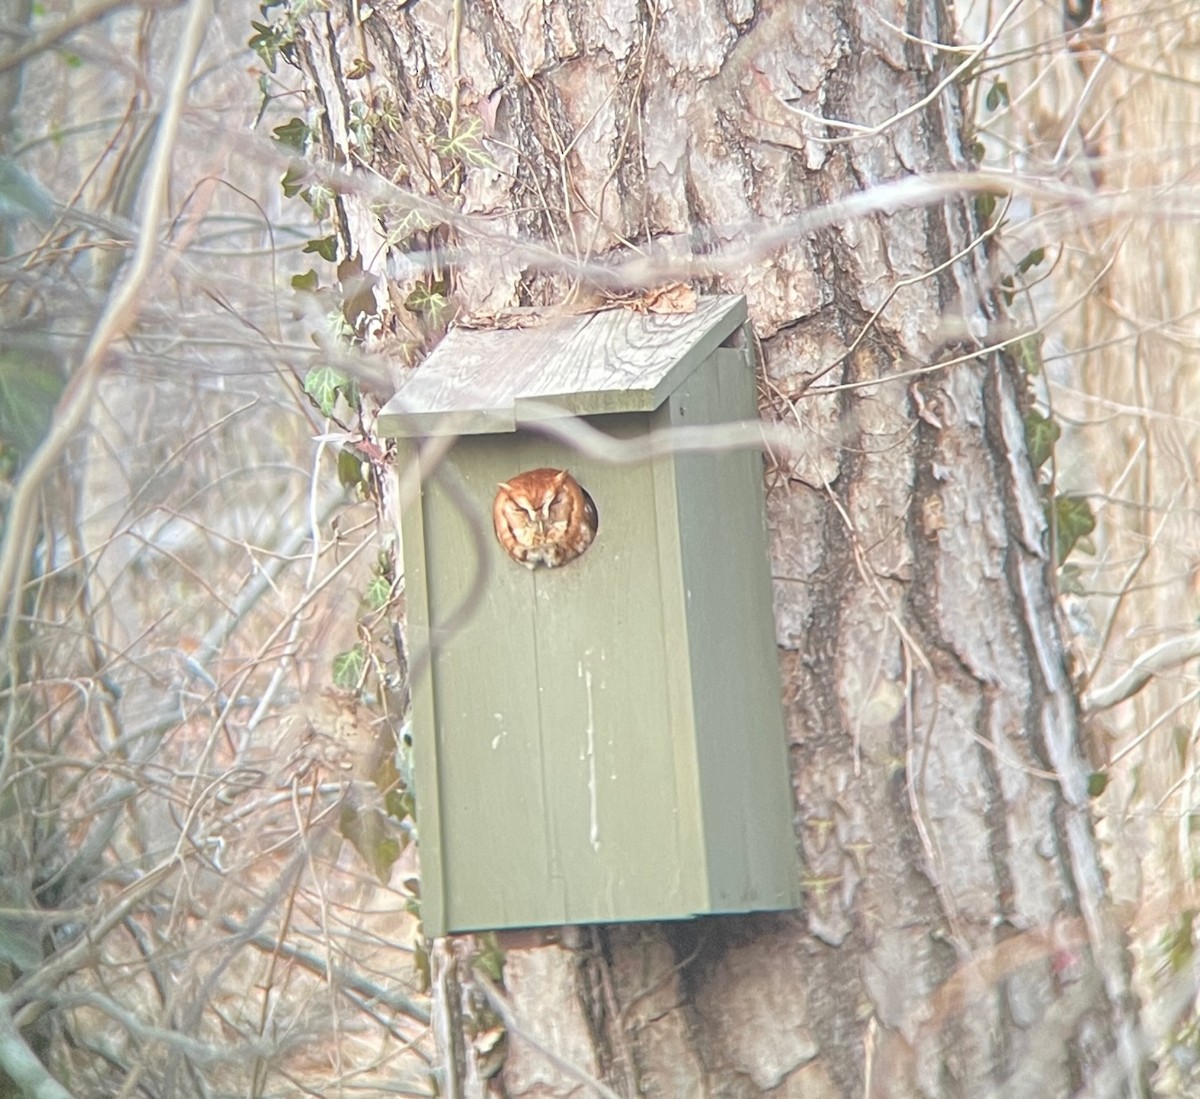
(544, 517)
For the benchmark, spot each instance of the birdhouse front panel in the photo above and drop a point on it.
(565, 767)
(601, 740)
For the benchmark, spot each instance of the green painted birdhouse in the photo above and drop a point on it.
(601, 740)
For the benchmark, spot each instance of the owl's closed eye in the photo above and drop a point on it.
(544, 517)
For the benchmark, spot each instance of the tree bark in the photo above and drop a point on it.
(955, 938)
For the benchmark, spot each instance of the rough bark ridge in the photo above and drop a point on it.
(955, 937)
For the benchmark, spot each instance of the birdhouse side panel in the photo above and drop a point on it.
(741, 743)
(423, 715)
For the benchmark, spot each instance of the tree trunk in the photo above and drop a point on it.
(1128, 385)
(955, 937)
(1106, 110)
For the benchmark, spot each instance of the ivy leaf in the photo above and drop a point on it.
(319, 197)
(490, 957)
(400, 804)
(267, 41)
(1097, 783)
(349, 469)
(1029, 354)
(422, 971)
(1031, 259)
(1041, 433)
(362, 125)
(30, 385)
(325, 247)
(428, 298)
(464, 145)
(348, 668)
(367, 831)
(1073, 520)
(323, 384)
(293, 134)
(1178, 943)
(307, 282)
(293, 181)
(997, 95)
(377, 594)
(1070, 580)
(985, 207)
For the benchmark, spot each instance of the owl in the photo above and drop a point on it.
(544, 517)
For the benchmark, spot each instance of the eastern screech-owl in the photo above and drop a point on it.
(544, 517)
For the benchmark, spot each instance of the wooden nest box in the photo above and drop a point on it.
(603, 740)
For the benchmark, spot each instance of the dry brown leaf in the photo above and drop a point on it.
(676, 297)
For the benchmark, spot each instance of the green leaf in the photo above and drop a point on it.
(1181, 735)
(1178, 943)
(30, 385)
(21, 191)
(400, 804)
(348, 668)
(265, 42)
(1031, 259)
(369, 834)
(464, 145)
(1041, 433)
(377, 594)
(307, 282)
(1097, 783)
(323, 384)
(361, 124)
(428, 298)
(410, 223)
(985, 207)
(1070, 580)
(1073, 520)
(1029, 354)
(325, 247)
(997, 95)
(293, 181)
(421, 967)
(490, 957)
(293, 134)
(349, 469)
(319, 197)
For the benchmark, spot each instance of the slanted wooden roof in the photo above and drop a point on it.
(479, 381)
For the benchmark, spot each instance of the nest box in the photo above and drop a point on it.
(603, 740)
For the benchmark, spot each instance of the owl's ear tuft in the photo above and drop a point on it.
(560, 478)
(504, 485)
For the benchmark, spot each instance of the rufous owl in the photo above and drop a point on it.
(544, 517)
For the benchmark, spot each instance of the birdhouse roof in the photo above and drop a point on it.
(484, 380)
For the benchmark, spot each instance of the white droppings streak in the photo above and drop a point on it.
(594, 835)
